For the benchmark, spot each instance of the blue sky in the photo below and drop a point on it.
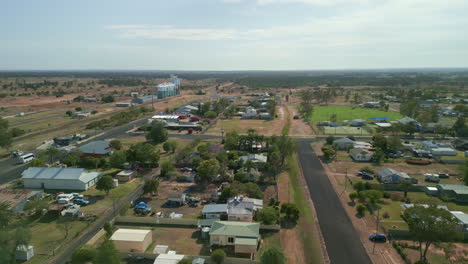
(232, 34)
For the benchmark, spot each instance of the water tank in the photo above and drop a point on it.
(205, 233)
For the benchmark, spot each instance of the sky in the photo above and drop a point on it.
(232, 34)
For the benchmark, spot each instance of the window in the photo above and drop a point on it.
(230, 240)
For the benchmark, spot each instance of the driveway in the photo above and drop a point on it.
(341, 240)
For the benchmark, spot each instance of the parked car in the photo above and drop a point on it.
(431, 177)
(367, 176)
(80, 201)
(378, 237)
(77, 195)
(16, 153)
(443, 175)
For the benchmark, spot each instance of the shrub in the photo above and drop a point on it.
(386, 215)
(386, 195)
(361, 210)
(218, 256)
(367, 170)
(396, 197)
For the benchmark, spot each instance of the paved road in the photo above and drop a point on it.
(341, 240)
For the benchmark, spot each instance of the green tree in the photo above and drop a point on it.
(218, 256)
(143, 153)
(210, 114)
(329, 152)
(353, 196)
(115, 144)
(252, 190)
(361, 210)
(151, 186)
(6, 138)
(50, 155)
(208, 169)
(157, 133)
(37, 163)
(267, 216)
(167, 168)
(72, 159)
(5, 214)
(106, 253)
(291, 211)
(373, 196)
(105, 183)
(170, 146)
(184, 261)
(228, 192)
(359, 187)
(272, 256)
(118, 159)
(83, 255)
(394, 143)
(330, 140)
(380, 141)
(108, 99)
(405, 186)
(109, 229)
(430, 225)
(231, 140)
(378, 156)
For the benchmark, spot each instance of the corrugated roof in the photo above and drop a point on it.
(457, 188)
(237, 229)
(245, 241)
(215, 208)
(100, 147)
(59, 174)
(137, 235)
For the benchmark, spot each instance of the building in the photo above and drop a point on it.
(123, 104)
(358, 123)
(168, 89)
(456, 191)
(90, 100)
(359, 154)
(132, 240)
(250, 112)
(243, 208)
(388, 175)
(243, 236)
(438, 149)
(255, 158)
(24, 253)
(215, 211)
(462, 219)
(59, 178)
(176, 198)
(99, 148)
(17, 198)
(170, 258)
(80, 115)
(460, 144)
(126, 175)
(164, 118)
(343, 143)
(408, 120)
(142, 99)
(362, 145)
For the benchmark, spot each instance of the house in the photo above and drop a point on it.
(460, 144)
(243, 236)
(243, 208)
(457, 192)
(358, 123)
(371, 105)
(99, 148)
(170, 258)
(408, 120)
(426, 104)
(255, 158)
(59, 178)
(462, 219)
(432, 127)
(132, 240)
(388, 175)
(359, 154)
(439, 149)
(126, 175)
(343, 143)
(250, 112)
(71, 211)
(215, 211)
(362, 145)
(17, 198)
(176, 198)
(90, 100)
(123, 104)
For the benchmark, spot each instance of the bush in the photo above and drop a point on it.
(367, 170)
(218, 256)
(83, 255)
(386, 195)
(361, 210)
(396, 197)
(386, 215)
(210, 114)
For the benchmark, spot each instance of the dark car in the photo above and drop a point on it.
(378, 237)
(81, 201)
(367, 176)
(443, 175)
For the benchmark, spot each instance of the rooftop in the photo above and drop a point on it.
(136, 235)
(238, 229)
(215, 208)
(461, 216)
(59, 174)
(96, 147)
(457, 188)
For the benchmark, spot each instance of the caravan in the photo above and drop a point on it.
(25, 158)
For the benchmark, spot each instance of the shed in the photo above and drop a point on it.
(59, 178)
(214, 211)
(170, 258)
(132, 240)
(99, 148)
(126, 175)
(358, 122)
(360, 154)
(160, 249)
(198, 261)
(456, 191)
(431, 190)
(388, 175)
(176, 198)
(24, 253)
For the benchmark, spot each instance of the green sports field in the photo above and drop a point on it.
(323, 113)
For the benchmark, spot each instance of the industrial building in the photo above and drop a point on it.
(168, 89)
(59, 178)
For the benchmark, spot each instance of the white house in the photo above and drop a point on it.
(360, 154)
(59, 178)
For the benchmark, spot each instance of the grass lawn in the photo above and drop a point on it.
(310, 238)
(270, 239)
(323, 113)
(345, 130)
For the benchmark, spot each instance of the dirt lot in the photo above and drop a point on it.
(298, 127)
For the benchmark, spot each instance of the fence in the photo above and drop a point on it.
(227, 260)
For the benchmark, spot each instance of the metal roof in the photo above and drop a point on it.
(215, 208)
(457, 188)
(246, 241)
(100, 147)
(137, 235)
(238, 229)
(461, 216)
(59, 174)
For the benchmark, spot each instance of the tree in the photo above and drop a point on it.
(267, 216)
(291, 211)
(430, 225)
(359, 187)
(210, 114)
(118, 159)
(151, 186)
(231, 140)
(380, 141)
(106, 253)
(5, 214)
(157, 133)
(394, 143)
(170, 146)
(252, 190)
(378, 156)
(115, 144)
(228, 192)
(330, 140)
(328, 152)
(208, 169)
(83, 255)
(50, 155)
(167, 168)
(361, 210)
(184, 261)
(109, 229)
(105, 183)
(107, 99)
(72, 159)
(405, 186)
(6, 138)
(353, 196)
(373, 196)
(37, 163)
(143, 153)
(218, 256)
(273, 256)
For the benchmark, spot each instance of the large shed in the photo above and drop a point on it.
(59, 178)
(132, 240)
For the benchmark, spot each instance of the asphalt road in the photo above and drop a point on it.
(341, 240)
